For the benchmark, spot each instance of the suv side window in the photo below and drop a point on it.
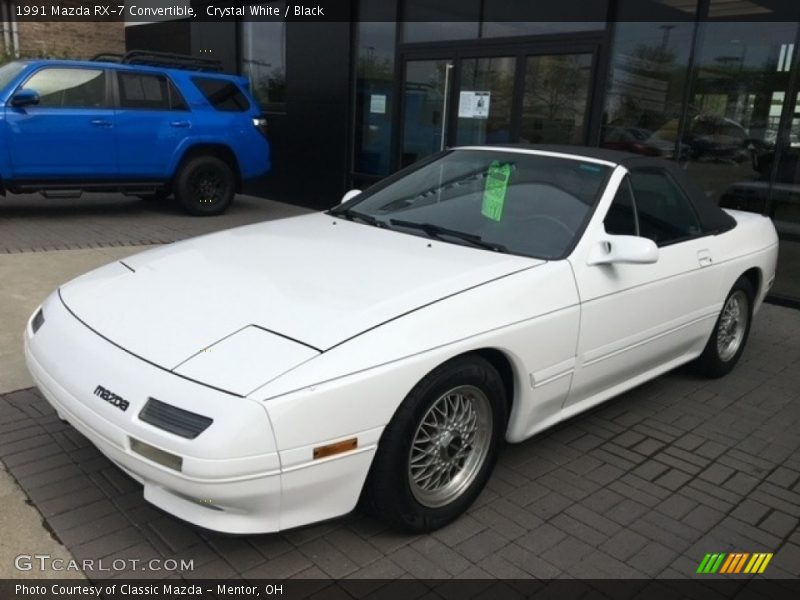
(621, 218)
(664, 212)
(69, 88)
(222, 95)
(145, 91)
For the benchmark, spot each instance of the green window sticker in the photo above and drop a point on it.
(494, 193)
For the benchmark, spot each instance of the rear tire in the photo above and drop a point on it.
(729, 337)
(439, 449)
(205, 186)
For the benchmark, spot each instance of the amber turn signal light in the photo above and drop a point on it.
(335, 448)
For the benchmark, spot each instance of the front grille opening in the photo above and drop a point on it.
(166, 459)
(173, 419)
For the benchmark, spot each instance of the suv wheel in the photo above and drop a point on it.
(205, 186)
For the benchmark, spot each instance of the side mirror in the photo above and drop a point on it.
(624, 249)
(350, 195)
(25, 97)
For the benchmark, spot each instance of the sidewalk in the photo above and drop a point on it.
(25, 280)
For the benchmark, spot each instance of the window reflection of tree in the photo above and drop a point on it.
(556, 92)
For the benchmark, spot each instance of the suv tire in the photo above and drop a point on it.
(205, 186)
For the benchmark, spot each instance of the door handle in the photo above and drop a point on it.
(704, 258)
(100, 123)
(183, 124)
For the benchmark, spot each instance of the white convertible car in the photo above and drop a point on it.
(271, 376)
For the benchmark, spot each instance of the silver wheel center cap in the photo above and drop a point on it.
(449, 445)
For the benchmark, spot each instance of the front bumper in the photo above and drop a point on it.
(229, 478)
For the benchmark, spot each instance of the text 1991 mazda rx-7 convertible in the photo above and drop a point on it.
(269, 376)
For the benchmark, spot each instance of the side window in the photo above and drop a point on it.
(621, 217)
(222, 95)
(69, 88)
(144, 91)
(665, 214)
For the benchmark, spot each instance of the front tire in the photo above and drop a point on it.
(728, 339)
(205, 186)
(440, 447)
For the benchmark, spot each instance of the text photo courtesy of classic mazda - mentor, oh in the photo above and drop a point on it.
(278, 374)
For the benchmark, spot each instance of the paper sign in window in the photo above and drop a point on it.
(377, 104)
(474, 105)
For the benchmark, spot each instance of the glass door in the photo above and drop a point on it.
(465, 96)
(555, 102)
(426, 88)
(485, 98)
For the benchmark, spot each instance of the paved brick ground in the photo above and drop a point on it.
(31, 222)
(643, 486)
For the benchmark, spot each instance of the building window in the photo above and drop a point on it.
(425, 21)
(375, 102)
(649, 71)
(9, 30)
(490, 29)
(741, 97)
(264, 58)
(739, 88)
(556, 98)
(496, 76)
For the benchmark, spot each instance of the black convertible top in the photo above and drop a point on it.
(712, 217)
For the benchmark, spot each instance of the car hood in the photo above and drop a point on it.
(313, 280)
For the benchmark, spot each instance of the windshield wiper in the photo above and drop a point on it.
(352, 215)
(437, 231)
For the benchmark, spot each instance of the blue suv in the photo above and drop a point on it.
(143, 123)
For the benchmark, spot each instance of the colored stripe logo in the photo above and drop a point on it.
(734, 563)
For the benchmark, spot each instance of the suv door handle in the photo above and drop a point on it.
(704, 258)
(180, 124)
(100, 123)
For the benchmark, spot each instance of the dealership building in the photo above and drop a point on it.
(712, 84)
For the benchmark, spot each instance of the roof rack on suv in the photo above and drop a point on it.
(161, 59)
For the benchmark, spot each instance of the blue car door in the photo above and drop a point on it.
(152, 120)
(69, 134)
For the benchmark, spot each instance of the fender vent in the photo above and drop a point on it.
(175, 420)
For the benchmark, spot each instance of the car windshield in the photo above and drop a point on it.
(9, 71)
(529, 204)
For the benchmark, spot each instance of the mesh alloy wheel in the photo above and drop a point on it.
(450, 446)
